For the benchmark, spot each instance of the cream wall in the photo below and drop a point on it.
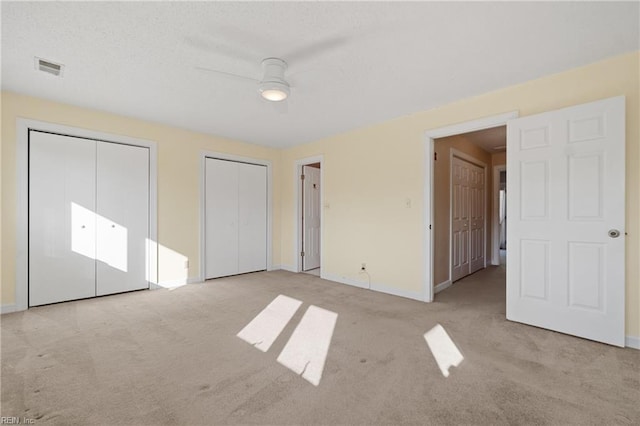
(369, 174)
(178, 181)
(442, 200)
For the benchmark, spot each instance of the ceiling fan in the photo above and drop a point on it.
(273, 86)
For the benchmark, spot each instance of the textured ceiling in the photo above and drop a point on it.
(351, 64)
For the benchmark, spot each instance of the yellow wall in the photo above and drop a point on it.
(178, 180)
(369, 173)
(442, 200)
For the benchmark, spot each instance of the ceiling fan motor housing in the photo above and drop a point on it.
(273, 86)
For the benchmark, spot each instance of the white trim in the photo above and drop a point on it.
(297, 191)
(289, 268)
(632, 342)
(430, 136)
(443, 285)
(7, 309)
(380, 288)
(22, 182)
(232, 157)
(177, 283)
(495, 212)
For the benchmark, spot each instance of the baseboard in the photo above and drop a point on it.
(7, 309)
(632, 342)
(444, 284)
(381, 288)
(288, 268)
(175, 283)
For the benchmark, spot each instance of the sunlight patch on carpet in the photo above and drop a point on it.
(265, 328)
(445, 352)
(306, 351)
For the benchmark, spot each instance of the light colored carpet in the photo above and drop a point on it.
(172, 357)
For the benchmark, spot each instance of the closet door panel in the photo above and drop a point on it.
(61, 218)
(252, 232)
(122, 221)
(221, 218)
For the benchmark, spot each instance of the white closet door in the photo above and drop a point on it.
(476, 220)
(460, 219)
(252, 212)
(122, 221)
(221, 218)
(61, 218)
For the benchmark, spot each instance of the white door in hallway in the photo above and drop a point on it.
(467, 218)
(311, 220)
(566, 236)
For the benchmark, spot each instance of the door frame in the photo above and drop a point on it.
(495, 212)
(240, 159)
(22, 198)
(469, 159)
(428, 179)
(297, 209)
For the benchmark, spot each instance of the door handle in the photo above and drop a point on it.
(614, 233)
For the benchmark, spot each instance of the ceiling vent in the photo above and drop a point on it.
(49, 67)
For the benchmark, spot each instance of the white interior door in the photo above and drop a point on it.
(122, 221)
(477, 209)
(566, 204)
(460, 215)
(221, 218)
(311, 220)
(62, 222)
(252, 217)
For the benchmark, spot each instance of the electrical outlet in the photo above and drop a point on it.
(186, 264)
(363, 267)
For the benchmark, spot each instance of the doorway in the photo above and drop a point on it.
(462, 218)
(309, 214)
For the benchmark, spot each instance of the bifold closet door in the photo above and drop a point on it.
(235, 218)
(252, 218)
(62, 223)
(221, 218)
(122, 221)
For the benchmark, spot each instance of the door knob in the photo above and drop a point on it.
(614, 233)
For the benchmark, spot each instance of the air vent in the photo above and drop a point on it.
(49, 67)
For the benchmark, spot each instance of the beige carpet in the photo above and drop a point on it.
(172, 357)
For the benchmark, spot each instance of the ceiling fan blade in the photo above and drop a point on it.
(315, 49)
(227, 74)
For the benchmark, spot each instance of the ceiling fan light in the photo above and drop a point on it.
(273, 91)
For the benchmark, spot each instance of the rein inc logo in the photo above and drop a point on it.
(15, 420)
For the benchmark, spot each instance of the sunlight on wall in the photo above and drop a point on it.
(444, 351)
(265, 328)
(306, 351)
(99, 238)
(174, 271)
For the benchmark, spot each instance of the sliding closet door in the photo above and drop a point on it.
(252, 211)
(61, 218)
(221, 218)
(122, 225)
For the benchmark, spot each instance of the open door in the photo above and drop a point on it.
(566, 237)
(311, 218)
